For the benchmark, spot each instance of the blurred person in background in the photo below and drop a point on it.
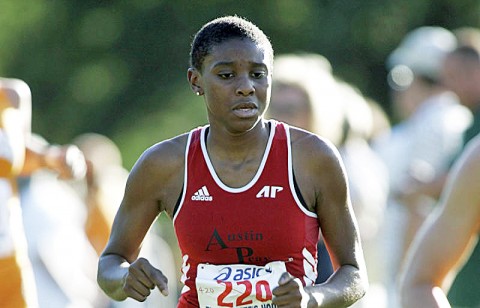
(368, 178)
(103, 188)
(297, 88)
(310, 105)
(306, 94)
(420, 146)
(381, 123)
(21, 156)
(54, 217)
(461, 73)
(102, 191)
(468, 36)
(447, 238)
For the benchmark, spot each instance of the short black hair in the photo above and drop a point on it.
(222, 29)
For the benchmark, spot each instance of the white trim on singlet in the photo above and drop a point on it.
(257, 175)
(185, 174)
(309, 267)
(290, 176)
(255, 178)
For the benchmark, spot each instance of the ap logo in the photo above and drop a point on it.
(269, 191)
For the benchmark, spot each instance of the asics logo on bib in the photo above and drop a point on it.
(238, 274)
(202, 195)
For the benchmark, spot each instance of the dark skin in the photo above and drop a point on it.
(236, 81)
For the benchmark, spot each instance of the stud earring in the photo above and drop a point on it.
(198, 93)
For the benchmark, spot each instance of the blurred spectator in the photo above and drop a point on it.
(69, 223)
(468, 36)
(306, 94)
(381, 123)
(297, 88)
(103, 192)
(104, 185)
(420, 146)
(445, 241)
(63, 259)
(368, 175)
(21, 156)
(311, 75)
(368, 184)
(461, 73)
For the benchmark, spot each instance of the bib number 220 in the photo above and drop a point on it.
(263, 293)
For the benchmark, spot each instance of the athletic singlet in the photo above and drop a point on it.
(258, 223)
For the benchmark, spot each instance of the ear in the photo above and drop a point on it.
(195, 80)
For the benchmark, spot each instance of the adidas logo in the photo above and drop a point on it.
(202, 195)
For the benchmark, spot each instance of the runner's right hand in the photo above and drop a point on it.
(141, 278)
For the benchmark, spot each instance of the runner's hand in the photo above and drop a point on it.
(141, 278)
(290, 292)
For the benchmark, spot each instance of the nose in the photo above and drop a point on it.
(245, 86)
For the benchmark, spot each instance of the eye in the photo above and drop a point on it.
(259, 74)
(225, 75)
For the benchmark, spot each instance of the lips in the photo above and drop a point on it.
(245, 110)
(246, 105)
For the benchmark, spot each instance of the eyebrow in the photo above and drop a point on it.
(230, 63)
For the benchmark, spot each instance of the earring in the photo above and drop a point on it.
(198, 93)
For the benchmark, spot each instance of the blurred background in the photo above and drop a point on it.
(118, 68)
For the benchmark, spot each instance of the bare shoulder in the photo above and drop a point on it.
(167, 154)
(313, 149)
(158, 173)
(318, 169)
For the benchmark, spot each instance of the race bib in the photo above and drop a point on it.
(238, 285)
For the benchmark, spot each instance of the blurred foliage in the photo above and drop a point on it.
(119, 67)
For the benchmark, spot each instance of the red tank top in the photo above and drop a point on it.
(260, 222)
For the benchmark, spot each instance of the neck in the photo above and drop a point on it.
(238, 147)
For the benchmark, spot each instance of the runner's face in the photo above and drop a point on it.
(236, 81)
